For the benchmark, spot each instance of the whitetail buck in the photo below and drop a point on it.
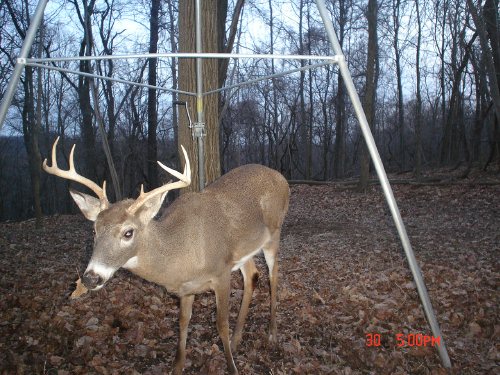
(196, 243)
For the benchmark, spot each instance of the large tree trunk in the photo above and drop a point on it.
(152, 107)
(370, 88)
(30, 132)
(187, 82)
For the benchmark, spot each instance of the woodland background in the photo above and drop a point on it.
(427, 72)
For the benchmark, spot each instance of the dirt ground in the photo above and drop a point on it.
(346, 296)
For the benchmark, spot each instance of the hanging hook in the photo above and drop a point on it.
(198, 129)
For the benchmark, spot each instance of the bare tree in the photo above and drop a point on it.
(396, 8)
(487, 28)
(418, 94)
(339, 150)
(152, 107)
(87, 130)
(30, 125)
(370, 87)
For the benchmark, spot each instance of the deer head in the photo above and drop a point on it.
(120, 228)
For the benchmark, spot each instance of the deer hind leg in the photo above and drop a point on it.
(186, 309)
(250, 278)
(270, 250)
(222, 290)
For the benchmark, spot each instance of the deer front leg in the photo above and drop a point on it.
(185, 310)
(222, 290)
(250, 278)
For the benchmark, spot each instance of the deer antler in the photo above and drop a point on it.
(184, 181)
(72, 175)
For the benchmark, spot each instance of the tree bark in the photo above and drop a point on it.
(370, 88)
(89, 168)
(187, 82)
(487, 29)
(30, 124)
(339, 144)
(399, 80)
(152, 166)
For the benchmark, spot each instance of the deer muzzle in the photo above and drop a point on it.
(92, 280)
(97, 274)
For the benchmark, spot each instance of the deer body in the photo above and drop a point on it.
(195, 245)
(203, 234)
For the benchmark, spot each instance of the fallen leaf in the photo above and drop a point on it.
(80, 289)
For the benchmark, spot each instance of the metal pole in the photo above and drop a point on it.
(384, 182)
(277, 75)
(97, 76)
(203, 55)
(23, 54)
(119, 80)
(199, 126)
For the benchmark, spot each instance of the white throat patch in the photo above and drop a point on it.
(131, 263)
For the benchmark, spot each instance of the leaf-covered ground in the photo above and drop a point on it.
(343, 281)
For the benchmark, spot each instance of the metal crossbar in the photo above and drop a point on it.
(38, 64)
(200, 55)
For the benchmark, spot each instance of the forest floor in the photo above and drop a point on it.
(346, 294)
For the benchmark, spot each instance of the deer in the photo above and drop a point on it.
(196, 243)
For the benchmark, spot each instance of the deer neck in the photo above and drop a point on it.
(163, 258)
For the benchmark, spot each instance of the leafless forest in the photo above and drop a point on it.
(426, 71)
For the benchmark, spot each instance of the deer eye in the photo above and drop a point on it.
(128, 234)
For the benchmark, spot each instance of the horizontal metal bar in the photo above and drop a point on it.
(333, 59)
(307, 67)
(90, 75)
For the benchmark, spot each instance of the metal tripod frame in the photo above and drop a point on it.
(199, 125)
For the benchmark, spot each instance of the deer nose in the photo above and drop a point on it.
(91, 280)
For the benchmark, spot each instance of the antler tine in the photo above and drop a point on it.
(184, 181)
(72, 175)
(186, 175)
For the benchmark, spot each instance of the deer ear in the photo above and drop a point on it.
(151, 207)
(89, 205)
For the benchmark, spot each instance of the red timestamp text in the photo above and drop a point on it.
(404, 340)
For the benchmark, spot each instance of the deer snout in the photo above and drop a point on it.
(92, 280)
